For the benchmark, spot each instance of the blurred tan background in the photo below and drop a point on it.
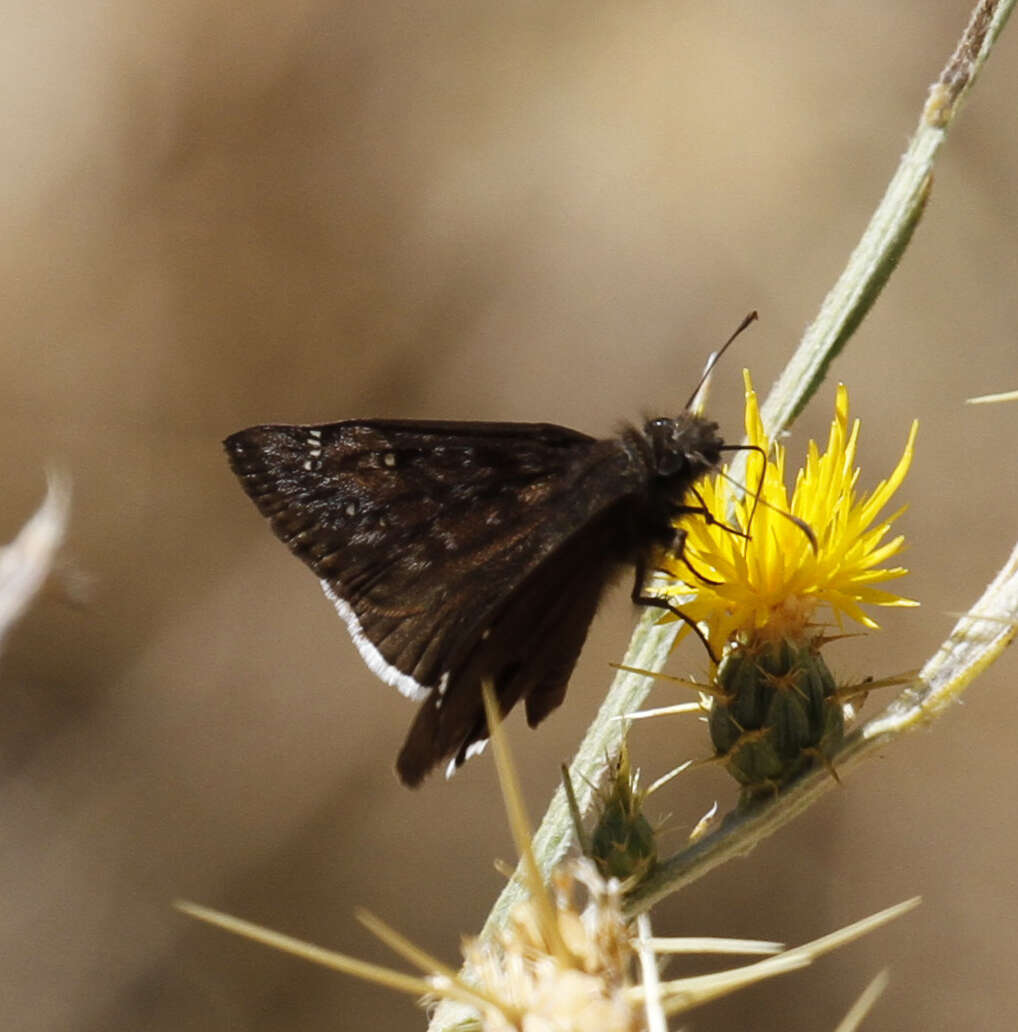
(218, 215)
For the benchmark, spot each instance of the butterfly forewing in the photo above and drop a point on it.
(423, 534)
(464, 552)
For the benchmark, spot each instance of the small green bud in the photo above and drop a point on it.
(776, 712)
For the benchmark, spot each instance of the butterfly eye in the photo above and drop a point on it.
(669, 452)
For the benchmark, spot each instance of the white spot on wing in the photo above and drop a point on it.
(389, 458)
(374, 659)
(475, 749)
(443, 684)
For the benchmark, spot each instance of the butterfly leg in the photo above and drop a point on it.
(702, 578)
(709, 518)
(641, 598)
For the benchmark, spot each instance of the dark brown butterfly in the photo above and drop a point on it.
(457, 552)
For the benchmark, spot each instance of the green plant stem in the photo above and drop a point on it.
(868, 269)
(890, 228)
(977, 640)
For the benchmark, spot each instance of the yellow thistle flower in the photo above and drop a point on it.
(770, 583)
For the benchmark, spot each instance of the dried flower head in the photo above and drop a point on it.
(575, 975)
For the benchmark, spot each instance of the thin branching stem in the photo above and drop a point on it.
(891, 226)
(870, 265)
(977, 640)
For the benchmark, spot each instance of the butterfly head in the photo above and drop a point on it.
(685, 447)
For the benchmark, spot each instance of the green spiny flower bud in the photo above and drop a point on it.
(623, 843)
(776, 713)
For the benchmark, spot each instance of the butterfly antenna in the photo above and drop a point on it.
(716, 357)
(759, 501)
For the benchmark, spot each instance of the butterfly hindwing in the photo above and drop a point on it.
(528, 652)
